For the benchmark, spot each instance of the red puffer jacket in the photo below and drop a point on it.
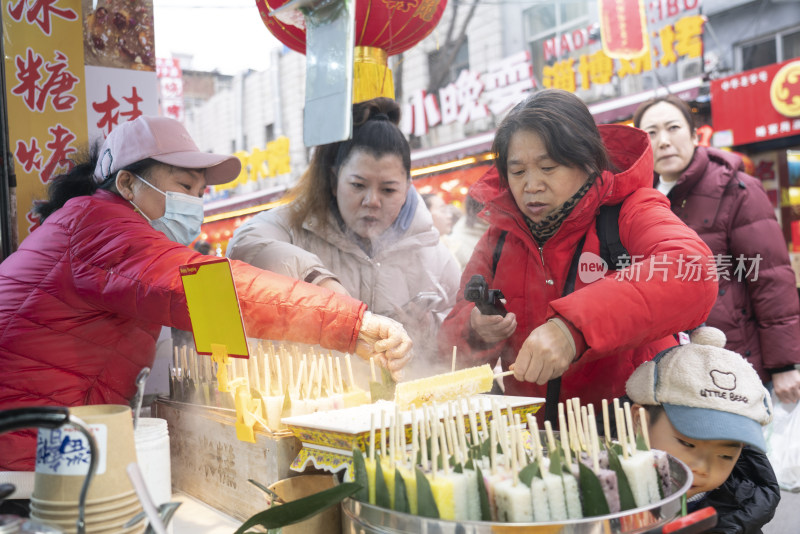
(624, 319)
(757, 306)
(86, 294)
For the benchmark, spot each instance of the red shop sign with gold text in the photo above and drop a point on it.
(623, 28)
(73, 73)
(757, 105)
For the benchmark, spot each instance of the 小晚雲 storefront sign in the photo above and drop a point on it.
(757, 105)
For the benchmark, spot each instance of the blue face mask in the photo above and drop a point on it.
(182, 217)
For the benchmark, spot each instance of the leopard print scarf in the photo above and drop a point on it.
(544, 230)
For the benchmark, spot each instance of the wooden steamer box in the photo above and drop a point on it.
(212, 465)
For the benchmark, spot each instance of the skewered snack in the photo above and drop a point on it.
(511, 484)
(444, 387)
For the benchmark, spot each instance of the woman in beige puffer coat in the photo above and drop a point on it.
(357, 225)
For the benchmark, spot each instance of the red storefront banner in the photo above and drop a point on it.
(623, 28)
(757, 105)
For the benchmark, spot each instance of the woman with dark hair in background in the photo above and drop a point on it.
(355, 224)
(86, 294)
(757, 305)
(568, 319)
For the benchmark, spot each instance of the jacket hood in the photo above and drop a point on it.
(630, 151)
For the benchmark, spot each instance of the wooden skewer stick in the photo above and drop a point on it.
(473, 423)
(414, 439)
(523, 455)
(643, 424)
(606, 424)
(331, 380)
(391, 432)
(279, 375)
(513, 453)
(551, 440)
(621, 432)
(484, 424)
(383, 434)
(339, 381)
(573, 428)
(453, 364)
(372, 436)
(504, 373)
(576, 407)
(533, 428)
(629, 425)
(352, 385)
(423, 439)
(493, 447)
(434, 448)
(372, 369)
(595, 445)
(585, 426)
(562, 423)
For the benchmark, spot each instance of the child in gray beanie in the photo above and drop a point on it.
(706, 406)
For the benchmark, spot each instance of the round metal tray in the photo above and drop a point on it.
(364, 518)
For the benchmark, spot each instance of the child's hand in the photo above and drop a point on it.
(492, 328)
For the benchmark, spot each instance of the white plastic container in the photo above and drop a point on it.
(152, 452)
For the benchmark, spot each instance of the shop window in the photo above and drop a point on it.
(554, 30)
(437, 63)
(779, 47)
(791, 45)
(759, 54)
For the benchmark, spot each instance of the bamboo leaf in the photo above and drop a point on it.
(593, 498)
(300, 509)
(426, 505)
(400, 495)
(527, 473)
(470, 464)
(382, 497)
(626, 501)
(360, 476)
(555, 462)
(486, 510)
(458, 468)
(641, 445)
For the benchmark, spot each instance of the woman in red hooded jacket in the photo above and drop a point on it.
(86, 294)
(554, 170)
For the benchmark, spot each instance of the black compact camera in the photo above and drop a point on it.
(486, 300)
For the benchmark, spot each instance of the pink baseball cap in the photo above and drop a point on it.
(164, 140)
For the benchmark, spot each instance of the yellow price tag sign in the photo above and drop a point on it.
(214, 308)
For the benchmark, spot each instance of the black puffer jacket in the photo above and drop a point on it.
(748, 499)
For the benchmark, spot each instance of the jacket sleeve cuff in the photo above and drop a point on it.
(573, 335)
(783, 369)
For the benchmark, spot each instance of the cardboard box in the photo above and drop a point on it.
(211, 465)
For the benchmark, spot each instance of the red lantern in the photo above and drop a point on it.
(383, 28)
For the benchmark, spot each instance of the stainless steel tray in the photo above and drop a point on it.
(362, 518)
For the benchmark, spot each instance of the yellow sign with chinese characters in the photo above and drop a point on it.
(672, 41)
(258, 164)
(214, 308)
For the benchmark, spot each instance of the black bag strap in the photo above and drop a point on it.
(498, 249)
(554, 385)
(611, 249)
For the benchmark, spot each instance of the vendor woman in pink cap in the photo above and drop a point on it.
(85, 296)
